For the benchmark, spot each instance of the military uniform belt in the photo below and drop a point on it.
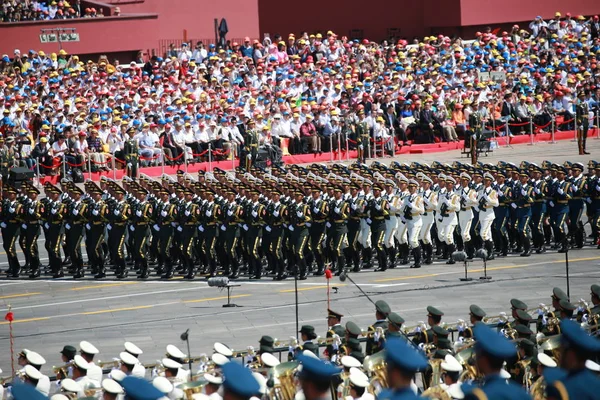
(13, 221)
(120, 223)
(190, 224)
(525, 205)
(563, 202)
(211, 223)
(539, 201)
(379, 218)
(465, 208)
(320, 221)
(97, 223)
(339, 221)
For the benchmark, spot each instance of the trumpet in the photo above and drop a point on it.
(330, 341)
(420, 327)
(291, 342)
(496, 319)
(115, 363)
(62, 371)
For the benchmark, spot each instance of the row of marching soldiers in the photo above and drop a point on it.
(301, 220)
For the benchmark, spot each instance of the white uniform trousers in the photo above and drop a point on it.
(402, 231)
(465, 218)
(414, 226)
(425, 235)
(446, 228)
(364, 235)
(486, 220)
(391, 227)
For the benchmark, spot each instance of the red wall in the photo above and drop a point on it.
(479, 12)
(100, 35)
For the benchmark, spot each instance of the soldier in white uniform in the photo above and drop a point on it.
(448, 204)
(430, 202)
(468, 199)
(88, 351)
(138, 370)
(111, 390)
(412, 210)
(402, 231)
(441, 250)
(452, 370)
(36, 361)
(80, 374)
(364, 236)
(487, 199)
(391, 224)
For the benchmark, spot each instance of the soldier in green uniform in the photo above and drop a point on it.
(277, 215)
(353, 224)
(31, 217)
(395, 322)
(118, 217)
(189, 216)
(211, 218)
(334, 320)
(140, 218)
(339, 211)
(74, 224)
(476, 315)
(582, 116)
(307, 333)
(378, 212)
(232, 217)
(96, 220)
(579, 192)
(54, 213)
(354, 349)
(434, 318)
(375, 341)
(251, 144)
(131, 152)
(362, 137)
(538, 208)
(254, 220)
(299, 217)
(319, 210)
(166, 215)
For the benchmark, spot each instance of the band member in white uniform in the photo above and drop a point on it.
(430, 202)
(364, 236)
(402, 231)
(441, 250)
(468, 199)
(391, 225)
(413, 209)
(449, 204)
(487, 199)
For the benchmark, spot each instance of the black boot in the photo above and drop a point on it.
(121, 269)
(504, 252)
(489, 247)
(144, 274)
(428, 253)
(381, 260)
(341, 265)
(470, 250)
(34, 273)
(302, 274)
(404, 253)
(101, 272)
(526, 247)
(392, 253)
(168, 272)
(367, 257)
(451, 248)
(191, 271)
(78, 270)
(417, 256)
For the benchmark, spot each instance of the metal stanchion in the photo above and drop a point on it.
(597, 125)
(507, 134)
(339, 147)
(185, 159)
(530, 131)
(162, 164)
(552, 130)
(233, 153)
(368, 148)
(210, 157)
(347, 148)
(114, 167)
(89, 167)
(64, 166)
(330, 149)
(375, 148)
(37, 170)
(575, 132)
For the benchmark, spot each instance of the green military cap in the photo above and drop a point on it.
(440, 332)
(523, 329)
(526, 345)
(559, 294)
(353, 329)
(434, 311)
(354, 344)
(382, 307)
(518, 304)
(477, 311)
(10, 189)
(307, 329)
(33, 189)
(395, 319)
(333, 314)
(76, 189)
(596, 290)
(523, 316)
(565, 305)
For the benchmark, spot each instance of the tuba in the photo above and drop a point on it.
(191, 388)
(376, 367)
(436, 393)
(436, 374)
(538, 390)
(284, 381)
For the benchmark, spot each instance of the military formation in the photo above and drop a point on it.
(301, 220)
(493, 357)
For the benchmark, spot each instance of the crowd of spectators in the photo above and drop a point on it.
(40, 10)
(303, 93)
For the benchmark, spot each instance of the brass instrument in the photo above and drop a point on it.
(509, 332)
(115, 363)
(428, 348)
(191, 388)
(551, 345)
(91, 392)
(436, 393)
(334, 339)
(436, 374)
(496, 319)
(538, 390)
(376, 367)
(283, 375)
(466, 357)
(291, 342)
(62, 371)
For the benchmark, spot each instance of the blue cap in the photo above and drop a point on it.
(315, 369)
(575, 337)
(21, 391)
(140, 389)
(401, 354)
(493, 343)
(239, 380)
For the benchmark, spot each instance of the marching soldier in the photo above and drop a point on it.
(391, 224)
(468, 199)
(538, 208)
(521, 202)
(561, 195)
(338, 216)
(378, 212)
(402, 223)
(96, 218)
(75, 219)
(353, 225)
(299, 217)
(501, 212)
(232, 217)
(31, 218)
(117, 226)
(487, 200)
(430, 199)
(166, 217)
(54, 213)
(140, 218)
(413, 209)
(448, 206)
(319, 212)
(189, 216)
(254, 221)
(211, 216)
(579, 192)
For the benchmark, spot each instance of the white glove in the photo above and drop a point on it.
(109, 227)
(31, 211)
(245, 227)
(551, 203)
(53, 211)
(223, 228)
(24, 226)
(67, 226)
(560, 191)
(268, 228)
(187, 213)
(276, 213)
(588, 200)
(156, 227)
(201, 228)
(513, 205)
(575, 188)
(254, 214)
(328, 224)
(597, 188)
(75, 212)
(12, 209)
(131, 228)
(3, 225)
(179, 229)
(291, 228)
(315, 210)
(208, 213)
(138, 213)
(117, 213)
(88, 227)
(537, 191)
(523, 192)
(46, 225)
(353, 206)
(369, 221)
(337, 210)
(403, 220)
(308, 224)
(230, 213)
(163, 213)
(378, 207)
(95, 212)
(500, 194)
(299, 214)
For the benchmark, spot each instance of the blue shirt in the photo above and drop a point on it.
(580, 385)
(401, 394)
(497, 388)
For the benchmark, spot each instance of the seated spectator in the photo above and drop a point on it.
(80, 151)
(458, 120)
(96, 151)
(310, 139)
(150, 151)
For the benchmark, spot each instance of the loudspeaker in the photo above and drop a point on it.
(19, 174)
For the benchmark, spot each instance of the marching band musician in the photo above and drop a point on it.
(212, 387)
(80, 374)
(403, 362)
(434, 318)
(448, 206)
(334, 320)
(430, 201)
(307, 333)
(450, 377)
(476, 315)
(359, 382)
(395, 322)
(138, 370)
(487, 201)
(413, 209)
(348, 363)
(539, 364)
(111, 390)
(88, 351)
(315, 378)
(468, 200)
(375, 341)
